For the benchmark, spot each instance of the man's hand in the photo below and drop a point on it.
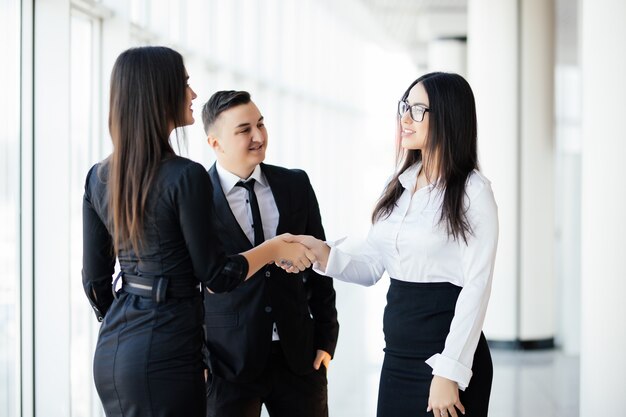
(318, 250)
(293, 257)
(322, 357)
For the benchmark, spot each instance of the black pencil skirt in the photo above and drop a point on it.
(148, 359)
(416, 322)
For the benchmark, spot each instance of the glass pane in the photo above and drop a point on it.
(138, 12)
(83, 143)
(197, 25)
(159, 15)
(269, 39)
(9, 207)
(247, 56)
(176, 9)
(224, 35)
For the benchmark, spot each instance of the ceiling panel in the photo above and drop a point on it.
(413, 23)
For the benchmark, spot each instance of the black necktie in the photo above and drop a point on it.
(256, 213)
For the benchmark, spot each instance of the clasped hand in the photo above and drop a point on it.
(315, 251)
(293, 256)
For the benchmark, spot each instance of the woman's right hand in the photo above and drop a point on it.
(292, 255)
(319, 248)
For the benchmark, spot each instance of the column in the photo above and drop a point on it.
(536, 176)
(492, 67)
(510, 68)
(603, 229)
(448, 54)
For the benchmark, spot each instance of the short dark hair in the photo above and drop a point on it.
(219, 102)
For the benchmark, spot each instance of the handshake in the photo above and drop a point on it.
(298, 252)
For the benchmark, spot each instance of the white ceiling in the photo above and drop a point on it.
(411, 24)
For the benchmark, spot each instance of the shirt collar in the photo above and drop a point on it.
(408, 178)
(228, 180)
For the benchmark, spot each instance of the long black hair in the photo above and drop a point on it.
(450, 147)
(148, 92)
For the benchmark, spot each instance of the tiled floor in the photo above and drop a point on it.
(534, 384)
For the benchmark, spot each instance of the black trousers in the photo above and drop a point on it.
(148, 360)
(416, 322)
(284, 393)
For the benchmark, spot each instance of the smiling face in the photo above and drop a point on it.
(190, 95)
(414, 135)
(239, 139)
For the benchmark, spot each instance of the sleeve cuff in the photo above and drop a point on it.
(336, 261)
(234, 271)
(332, 265)
(317, 268)
(99, 293)
(451, 369)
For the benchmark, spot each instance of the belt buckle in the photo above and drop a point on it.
(159, 289)
(117, 278)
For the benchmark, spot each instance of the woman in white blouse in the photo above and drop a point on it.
(435, 231)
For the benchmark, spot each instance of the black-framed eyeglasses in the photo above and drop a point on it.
(417, 111)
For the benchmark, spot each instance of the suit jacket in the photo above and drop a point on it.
(239, 323)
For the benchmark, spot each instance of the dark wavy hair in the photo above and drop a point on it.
(148, 91)
(450, 146)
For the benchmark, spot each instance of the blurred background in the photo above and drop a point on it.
(549, 80)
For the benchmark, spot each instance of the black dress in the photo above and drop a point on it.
(148, 359)
(416, 322)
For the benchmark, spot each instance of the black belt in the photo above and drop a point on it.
(157, 288)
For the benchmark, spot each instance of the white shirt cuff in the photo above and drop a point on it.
(332, 265)
(451, 369)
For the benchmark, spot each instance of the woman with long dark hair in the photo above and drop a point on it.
(435, 231)
(151, 209)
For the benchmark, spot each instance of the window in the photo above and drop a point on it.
(10, 207)
(84, 151)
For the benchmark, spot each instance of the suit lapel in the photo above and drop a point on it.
(225, 214)
(281, 191)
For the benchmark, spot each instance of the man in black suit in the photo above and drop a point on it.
(271, 339)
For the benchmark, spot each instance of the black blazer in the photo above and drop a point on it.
(239, 323)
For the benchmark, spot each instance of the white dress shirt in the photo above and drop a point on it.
(237, 198)
(238, 201)
(411, 246)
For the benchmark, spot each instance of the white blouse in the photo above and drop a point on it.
(411, 246)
